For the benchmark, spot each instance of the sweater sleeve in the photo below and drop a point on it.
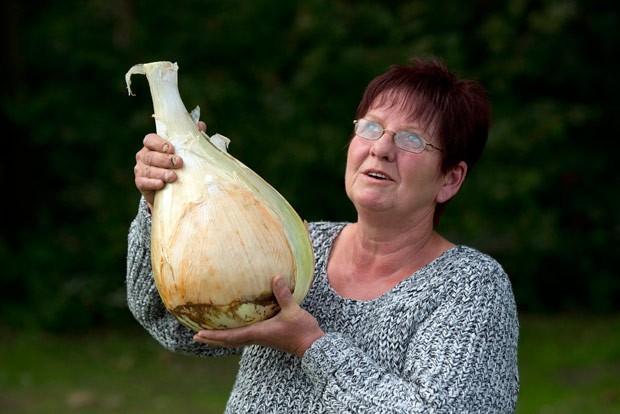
(461, 358)
(143, 298)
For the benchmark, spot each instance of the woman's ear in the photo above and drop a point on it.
(453, 180)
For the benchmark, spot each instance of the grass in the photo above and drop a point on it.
(108, 372)
(568, 364)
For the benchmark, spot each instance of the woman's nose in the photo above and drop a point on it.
(385, 147)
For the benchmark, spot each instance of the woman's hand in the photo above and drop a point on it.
(292, 330)
(155, 165)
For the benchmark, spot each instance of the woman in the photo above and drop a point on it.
(398, 319)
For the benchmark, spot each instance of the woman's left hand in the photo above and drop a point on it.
(292, 330)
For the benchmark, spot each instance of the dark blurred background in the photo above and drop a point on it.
(282, 79)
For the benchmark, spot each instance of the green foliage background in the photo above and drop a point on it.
(282, 79)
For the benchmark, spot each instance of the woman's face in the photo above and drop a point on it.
(380, 177)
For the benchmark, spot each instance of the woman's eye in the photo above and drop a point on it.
(373, 127)
(414, 140)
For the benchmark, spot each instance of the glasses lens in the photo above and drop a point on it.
(368, 129)
(409, 141)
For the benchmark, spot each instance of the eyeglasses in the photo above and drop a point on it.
(405, 140)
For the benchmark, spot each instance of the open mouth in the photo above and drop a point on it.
(377, 175)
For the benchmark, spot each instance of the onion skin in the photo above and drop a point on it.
(220, 233)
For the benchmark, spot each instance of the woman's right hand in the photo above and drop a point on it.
(155, 165)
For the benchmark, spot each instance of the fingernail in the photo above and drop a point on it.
(166, 147)
(279, 283)
(173, 161)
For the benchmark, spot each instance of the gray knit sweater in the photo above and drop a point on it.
(442, 341)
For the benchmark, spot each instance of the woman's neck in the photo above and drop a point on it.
(400, 246)
(367, 260)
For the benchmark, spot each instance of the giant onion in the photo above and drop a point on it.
(220, 233)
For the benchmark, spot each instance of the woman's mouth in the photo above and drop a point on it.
(377, 175)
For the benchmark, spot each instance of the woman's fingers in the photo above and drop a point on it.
(160, 160)
(156, 143)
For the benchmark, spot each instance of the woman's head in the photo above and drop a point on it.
(455, 113)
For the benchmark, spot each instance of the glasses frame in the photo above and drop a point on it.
(394, 134)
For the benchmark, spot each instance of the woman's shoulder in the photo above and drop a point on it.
(321, 231)
(463, 255)
(467, 263)
(466, 275)
(323, 234)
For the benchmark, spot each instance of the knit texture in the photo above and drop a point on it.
(442, 341)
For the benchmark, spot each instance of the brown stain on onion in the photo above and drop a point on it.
(206, 315)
